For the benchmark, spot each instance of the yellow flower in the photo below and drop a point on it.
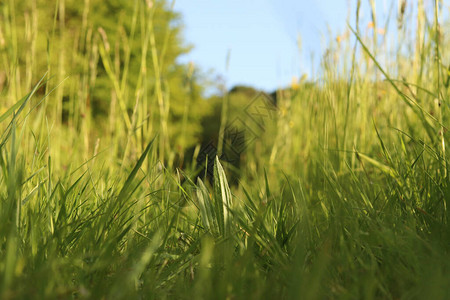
(370, 25)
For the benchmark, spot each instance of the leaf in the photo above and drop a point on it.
(127, 185)
(384, 168)
(222, 197)
(206, 209)
(22, 102)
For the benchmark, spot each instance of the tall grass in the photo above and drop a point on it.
(345, 196)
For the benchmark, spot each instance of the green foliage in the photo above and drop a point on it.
(343, 195)
(115, 61)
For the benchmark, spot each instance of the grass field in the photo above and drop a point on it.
(343, 192)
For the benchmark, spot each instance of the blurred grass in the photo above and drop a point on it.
(344, 194)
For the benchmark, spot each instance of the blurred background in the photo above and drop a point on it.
(121, 72)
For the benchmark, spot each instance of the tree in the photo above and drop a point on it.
(121, 63)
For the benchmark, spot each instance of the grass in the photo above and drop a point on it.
(345, 196)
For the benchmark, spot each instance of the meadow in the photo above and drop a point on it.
(338, 187)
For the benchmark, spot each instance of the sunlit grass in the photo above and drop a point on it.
(343, 195)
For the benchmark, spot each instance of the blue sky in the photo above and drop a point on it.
(262, 36)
